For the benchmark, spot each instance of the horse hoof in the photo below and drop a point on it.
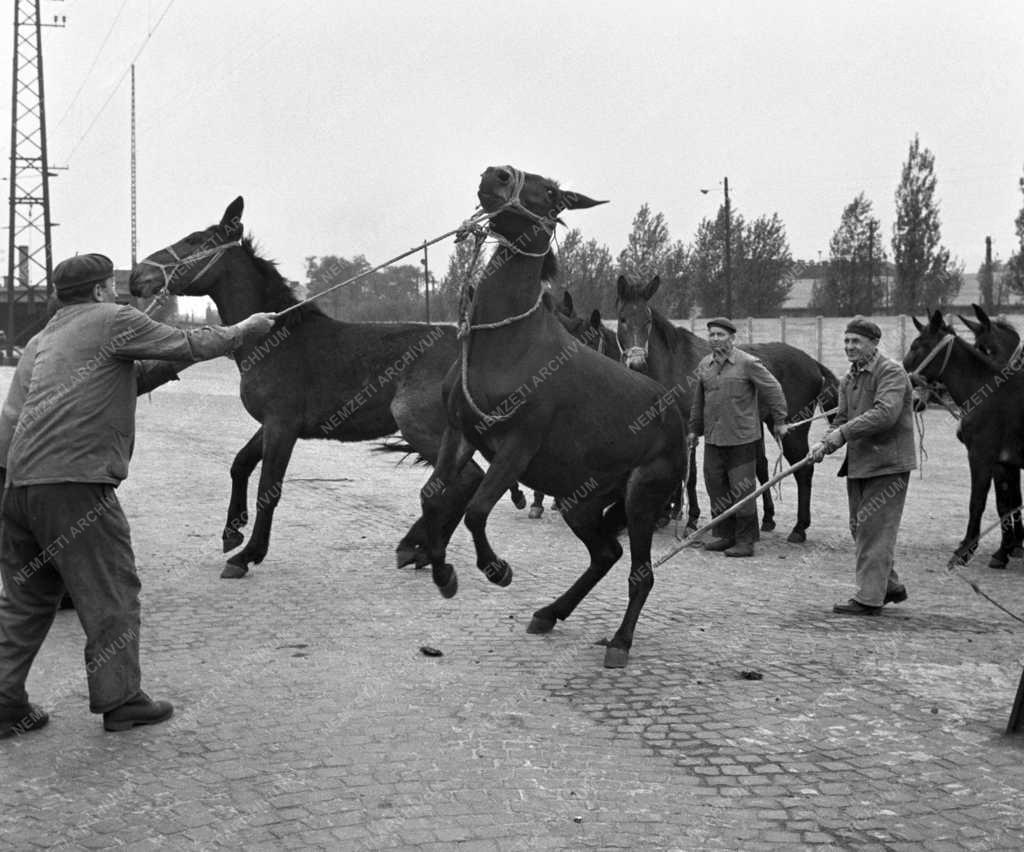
(997, 561)
(767, 525)
(446, 580)
(407, 554)
(233, 571)
(498, 572)
(232, 539)
(797, 537)
(1017, 552)
(518, 499)
(542, 622)
(691, 526)
(536, 512)
(615, 658)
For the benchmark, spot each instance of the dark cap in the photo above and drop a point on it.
(864, 327)
(81, 269)
(722, 322)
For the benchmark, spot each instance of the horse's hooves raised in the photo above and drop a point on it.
(767, 525)
(406, 554)
(447, 580)
(542, 622)
(536, 512)
(518, 499)
(615, 658)
(233, 571)
(797, 537)
(498, 572)
(232, 539)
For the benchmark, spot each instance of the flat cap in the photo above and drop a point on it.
(722, 322)
(81, 269)
(864, 327)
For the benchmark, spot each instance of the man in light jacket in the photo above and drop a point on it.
(67, 429)
(875, 420)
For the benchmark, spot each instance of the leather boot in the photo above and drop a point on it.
(140, 710)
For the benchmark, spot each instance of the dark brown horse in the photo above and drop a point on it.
(312, 377)
(670, 355)
(555, 415)
(990, 396)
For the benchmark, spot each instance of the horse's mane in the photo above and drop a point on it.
(276, 290)
(668, 332)
(1005, 326)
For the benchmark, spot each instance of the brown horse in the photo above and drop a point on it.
(547, 412)
(312, 377)
(670, 355)
(990, 396)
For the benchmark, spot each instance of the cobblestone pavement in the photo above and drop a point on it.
(307, 717)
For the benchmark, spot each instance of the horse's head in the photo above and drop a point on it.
(591, 332)
(929, 351)
(635, 320)
(996, 338)
(523, 208)
(189, 267)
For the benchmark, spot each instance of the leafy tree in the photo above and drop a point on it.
(762, 280)
(676, 291)
(852, 284)
(462, 264)
(647, 246)
(707, 261)
(925, 275)
(587, 271)
(1015, 265)
(387, 295)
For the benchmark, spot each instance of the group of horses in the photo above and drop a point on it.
(552, 400)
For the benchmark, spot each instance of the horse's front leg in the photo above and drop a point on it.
(795, 448)
(693, 507)
(981, 478)
(506, 467)
(278, 443)
(241, 469)
(1007, 487)
(437, 498)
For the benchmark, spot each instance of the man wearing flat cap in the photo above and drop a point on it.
(731, 386)
(875, 421)
(67, 429)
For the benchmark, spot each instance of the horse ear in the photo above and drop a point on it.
(918, 324)
(979, 312)
(595, 318)
(652, 287)
(233, 214)
(578, 201)
(567, 304)
(621, 286)
(976, 327)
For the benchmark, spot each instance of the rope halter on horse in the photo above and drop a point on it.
(945, 344)
(169, 270)
(514, 204)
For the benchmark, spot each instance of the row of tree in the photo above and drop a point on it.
(749, 259)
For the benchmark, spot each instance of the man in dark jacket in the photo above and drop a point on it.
(875, 420)
(731, 383)
(67, 429)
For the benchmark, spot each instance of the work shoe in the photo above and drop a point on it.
(140, 710)
(897, 594)
(718, 544)
(21, 720)
(741, 548)
(853, 607)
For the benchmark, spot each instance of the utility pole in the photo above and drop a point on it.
(28, 224)
(871, 266)
(426, 281)
(728, 252)
(988, 285)
(135, 233)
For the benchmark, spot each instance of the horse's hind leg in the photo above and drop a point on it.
(795, 448)
(241, 469)
(1007, 487)
(761, 471)
(278, 444)
(693, 507)
(598, 530)
(412, 549)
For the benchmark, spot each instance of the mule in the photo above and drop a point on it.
(311, 377)
(990, 397)
(652, 345)
(552, 414)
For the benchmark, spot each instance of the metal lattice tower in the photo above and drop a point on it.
(29, 251)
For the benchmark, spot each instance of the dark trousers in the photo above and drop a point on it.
(730, 473)
(876, 508)
(70, 536)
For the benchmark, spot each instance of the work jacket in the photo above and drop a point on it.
(69, 415)
(876, 419)
(725, 401)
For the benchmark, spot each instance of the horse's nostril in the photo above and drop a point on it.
(504, 176)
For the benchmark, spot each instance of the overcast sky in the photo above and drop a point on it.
(357, 128)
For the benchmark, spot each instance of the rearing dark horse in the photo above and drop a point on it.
(550, 413)
(670, 355)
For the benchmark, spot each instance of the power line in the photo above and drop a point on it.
(120, 80)
(95, 59)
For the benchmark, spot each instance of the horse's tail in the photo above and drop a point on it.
(397, 445)
(828, 397)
